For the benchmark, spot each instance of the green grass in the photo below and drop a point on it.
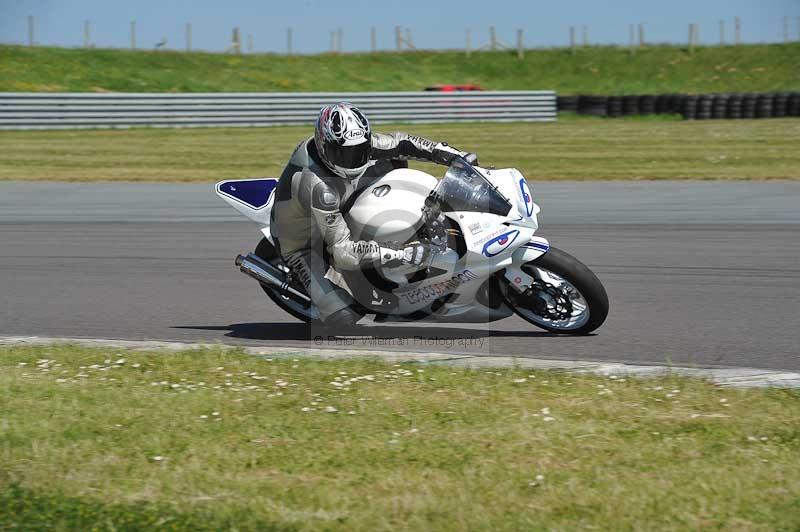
(216, 439)
(607, 69)
(572, 148)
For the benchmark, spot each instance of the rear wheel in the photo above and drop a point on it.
(266, 251)
(565, 297)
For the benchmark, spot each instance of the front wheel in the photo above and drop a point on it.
(565, 297)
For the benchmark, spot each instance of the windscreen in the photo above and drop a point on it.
(463, 188)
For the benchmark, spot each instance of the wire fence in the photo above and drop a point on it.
(729, 32)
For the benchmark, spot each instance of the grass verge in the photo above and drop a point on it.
(573, 148)
(599, 69)
(216, 439)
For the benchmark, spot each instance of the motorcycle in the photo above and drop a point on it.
(485, 261)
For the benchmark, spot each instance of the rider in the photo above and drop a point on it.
(323, 173)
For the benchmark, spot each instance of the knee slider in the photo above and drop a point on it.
(346, 317)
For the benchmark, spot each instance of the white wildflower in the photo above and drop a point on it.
(214, 413)
(120, 361)
(545, 410)
(413, 430)
(548, 418)
(352, 412)
(540, 477)
(520, 381)
(22, 364)
(136, 365)
(306, 409)
(204, 416)
(158, 459)
(723, 400)
(331, 409)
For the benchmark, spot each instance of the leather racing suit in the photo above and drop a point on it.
(307, 216)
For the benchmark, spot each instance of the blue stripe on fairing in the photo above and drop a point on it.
(536, 245)
(254, 193)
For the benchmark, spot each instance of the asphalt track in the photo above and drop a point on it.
(698, 273)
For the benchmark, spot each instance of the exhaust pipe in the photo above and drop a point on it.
(265, 273)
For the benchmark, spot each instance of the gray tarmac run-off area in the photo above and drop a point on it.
(698, 273)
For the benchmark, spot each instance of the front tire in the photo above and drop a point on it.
(567, 297)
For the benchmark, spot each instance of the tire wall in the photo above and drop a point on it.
(717, 106)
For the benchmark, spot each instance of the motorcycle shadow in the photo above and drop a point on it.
(313, 333)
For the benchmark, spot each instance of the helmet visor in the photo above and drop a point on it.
(349, 156)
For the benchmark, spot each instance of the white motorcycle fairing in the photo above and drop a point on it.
(252, 197)
(457, 284)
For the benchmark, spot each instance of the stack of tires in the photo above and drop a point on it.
(732, 105)
(592, 105)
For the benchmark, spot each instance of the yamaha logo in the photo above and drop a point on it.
(381, 191)
(353, 134)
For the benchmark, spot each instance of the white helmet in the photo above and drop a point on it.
(343, 139)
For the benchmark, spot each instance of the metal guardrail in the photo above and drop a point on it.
(22, 110)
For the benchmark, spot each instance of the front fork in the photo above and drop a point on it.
(518, 279)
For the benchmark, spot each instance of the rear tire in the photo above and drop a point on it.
(266, 251)
(583, 280)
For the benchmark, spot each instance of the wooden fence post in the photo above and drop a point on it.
(237, 43)
(632, 39)
(785, 30)
(572, 39)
